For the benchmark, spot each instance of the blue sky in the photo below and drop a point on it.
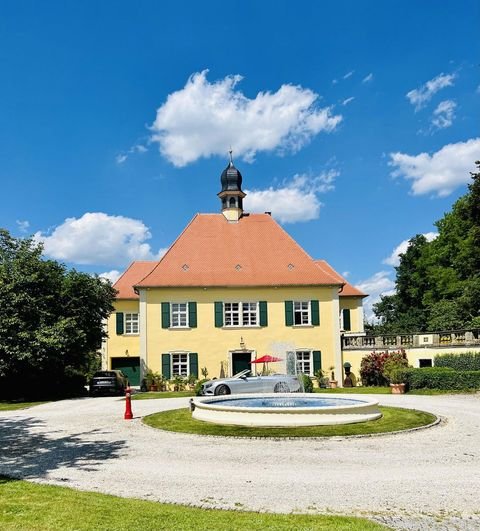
(355, 123)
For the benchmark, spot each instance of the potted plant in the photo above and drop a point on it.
(150, 380)
(160, 382)
(394, 371)
(178, 383)
(332, 382)
(319, 376)
(191, 381)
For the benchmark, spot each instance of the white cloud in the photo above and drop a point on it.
(378, 284)
(368, 78)
(348, 100)
(204, 119)
(137, 148)
(23, 225)
(444, 114)
(401, 248)
(97, 238)
(421, 96)
(348, 74)
(441, 172)
(295, 201)
(112, 275)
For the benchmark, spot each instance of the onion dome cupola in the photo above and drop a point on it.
(231, 194)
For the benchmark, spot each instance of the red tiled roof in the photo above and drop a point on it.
(348, 290)
(255, 251)
(134, 273)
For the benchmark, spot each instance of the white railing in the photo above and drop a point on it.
(456, 338)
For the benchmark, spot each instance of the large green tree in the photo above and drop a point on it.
(51, 320)
(438, 282)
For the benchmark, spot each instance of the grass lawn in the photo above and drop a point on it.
(161, 394)
(25, 505)
(393, 419)
(387, 391)
(10, 406)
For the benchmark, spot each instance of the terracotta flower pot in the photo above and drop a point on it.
(397, 388)
(333, 384)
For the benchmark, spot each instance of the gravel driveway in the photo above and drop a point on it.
(427, 479)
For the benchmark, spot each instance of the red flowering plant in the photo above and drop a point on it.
(372, 366)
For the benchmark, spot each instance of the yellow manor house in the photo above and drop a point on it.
(232, 288)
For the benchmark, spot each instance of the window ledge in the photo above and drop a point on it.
(304, 326)
(236, 327)
(179, 328)
(130, 335)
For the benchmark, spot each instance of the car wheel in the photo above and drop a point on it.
(222, 390)
(281, 387)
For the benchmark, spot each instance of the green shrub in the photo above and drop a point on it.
(198, 386)
(442, 378)
(465, 361)
(307, 383)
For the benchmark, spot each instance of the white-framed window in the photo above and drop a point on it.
(249, 313)
(131, 323)
(179, 314)
(180, 364)
(241, 313)
(304, 362)
(301, 313)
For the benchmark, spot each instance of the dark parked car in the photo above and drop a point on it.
(108, 383)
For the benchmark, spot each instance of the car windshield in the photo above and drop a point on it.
(103, 374)
(240, 374)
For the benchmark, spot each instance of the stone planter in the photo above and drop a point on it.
(333, 384)
(397, 388)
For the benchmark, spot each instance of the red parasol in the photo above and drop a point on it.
(266, 359)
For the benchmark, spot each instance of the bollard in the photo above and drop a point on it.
(128, 404)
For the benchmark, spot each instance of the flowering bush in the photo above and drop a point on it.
(372, 366)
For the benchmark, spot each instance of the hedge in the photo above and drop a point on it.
(442, 378)
(466, 361)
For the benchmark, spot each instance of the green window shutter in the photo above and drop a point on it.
(193, 361)
(346, 320)
(218, 314)
(314, 306)
(166, 366)
(317, 361)
(263, 313)
(165, 315)
(119, 323)
(288, 313)
(192, 314)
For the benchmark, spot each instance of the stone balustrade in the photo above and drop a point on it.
(457, 338)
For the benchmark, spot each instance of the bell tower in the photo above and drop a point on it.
(231, 194)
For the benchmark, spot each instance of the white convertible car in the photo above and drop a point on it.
(245, 382)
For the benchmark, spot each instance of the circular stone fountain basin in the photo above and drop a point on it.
(283, 410)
